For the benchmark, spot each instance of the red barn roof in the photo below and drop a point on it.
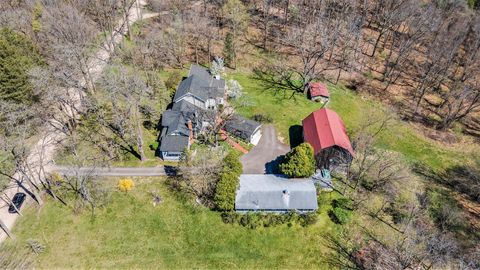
(318, 89)
(323, 129)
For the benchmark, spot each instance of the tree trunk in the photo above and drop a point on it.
(338, 76)
(140, 137)
(234, 45)
(209, 49)
(6, 229)
(196, 52)
(265, 30)
(286, 12)
(10, 202)
(376, 44)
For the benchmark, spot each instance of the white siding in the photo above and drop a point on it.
(255, 138)
(211, 103)
(193, 100)
(171, 156)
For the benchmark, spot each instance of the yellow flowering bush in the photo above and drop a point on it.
(125, 184)
(56, 178)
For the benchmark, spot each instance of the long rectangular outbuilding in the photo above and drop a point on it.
(275, 193)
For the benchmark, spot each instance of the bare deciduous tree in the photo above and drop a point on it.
(125, 92)
(104, 13)
(199, 171)
(70, 36)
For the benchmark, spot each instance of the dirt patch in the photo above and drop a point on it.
(472, 210)
(439, 136)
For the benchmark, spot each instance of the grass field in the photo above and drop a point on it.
(131, 233)
(399, 136)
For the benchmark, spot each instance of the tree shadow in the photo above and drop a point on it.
(295, 133)
(280, 81)
(343, 256)
(457, 214)
(273, 166)
(464, 179)
(171, 170)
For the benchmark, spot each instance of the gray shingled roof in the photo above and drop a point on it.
(185, 106)
(175, 143)
(168, 117)
(241, 127)
(174, 121)
(201, 84)
(266, 192)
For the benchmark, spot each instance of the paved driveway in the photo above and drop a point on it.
(264, 157)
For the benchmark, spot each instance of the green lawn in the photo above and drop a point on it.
(400, 136)
(131, 233)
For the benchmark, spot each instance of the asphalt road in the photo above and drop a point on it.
(265, 157)
(114, 171)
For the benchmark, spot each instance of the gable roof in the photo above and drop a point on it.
(323, 129)
(185, 107)
(266, 192)
(201, 84)
(173, 143)
(241, 127)
(318, 89)
(173, 121)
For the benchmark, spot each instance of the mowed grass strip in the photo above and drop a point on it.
(130, 233)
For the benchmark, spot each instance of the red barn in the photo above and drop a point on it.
(325, 131)
(318, 92)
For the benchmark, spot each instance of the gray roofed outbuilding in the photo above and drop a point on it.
(241, 127)
(269, 192)
(201, 84)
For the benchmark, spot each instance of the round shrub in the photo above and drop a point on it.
(299, 162)
(262, 118)
(339, 215)
(344, 203)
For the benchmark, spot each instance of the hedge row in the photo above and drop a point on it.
(254, 220)
(228, 182)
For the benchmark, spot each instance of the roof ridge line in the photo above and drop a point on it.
(329, 124)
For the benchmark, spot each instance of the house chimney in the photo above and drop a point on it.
(217, 77)
(286, 198)
(190, 129)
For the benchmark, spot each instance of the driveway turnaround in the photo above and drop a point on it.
(264, 158)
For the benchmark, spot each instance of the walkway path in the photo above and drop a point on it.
(224, 136)
(43, 150)
(265, 157)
